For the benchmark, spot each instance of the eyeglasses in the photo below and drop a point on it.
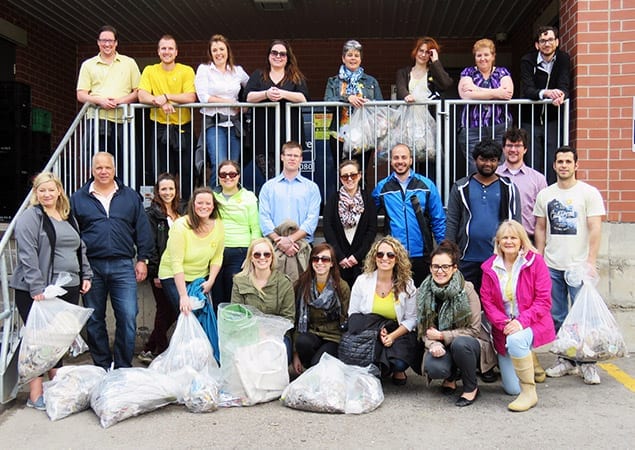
(259, 255)
(107, 41)
(231, 175)
(349, 176)
(442, 267)
(546, 41)
(277, 54)
(320, 258)
(389, 255)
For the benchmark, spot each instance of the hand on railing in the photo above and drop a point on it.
(556, 95)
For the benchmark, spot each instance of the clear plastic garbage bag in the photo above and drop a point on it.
(69, 392)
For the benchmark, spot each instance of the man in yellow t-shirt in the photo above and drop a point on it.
(164, 85)
(108, 80)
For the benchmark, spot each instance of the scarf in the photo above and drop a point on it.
(351, 78)
(350, 208)
(455, 309)
(327, 301)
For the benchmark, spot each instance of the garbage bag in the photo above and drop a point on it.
(334, 387)
(368, 125)
(202, 394)
(589, 332)
(205, 315)
(128, 392)
(69, 392)
(49, 331)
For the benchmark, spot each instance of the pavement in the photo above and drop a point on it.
(569, 414)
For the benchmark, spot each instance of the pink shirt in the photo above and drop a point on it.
(529, 183)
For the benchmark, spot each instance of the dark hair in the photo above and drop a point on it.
(224, 40)
(447, 247)
(545, 29)
(350, 162)
(487, 148)
(193, 219)
(108, 28)
(430, 42)
(514, 134)
(168, 37)
(305, 281)
(290, 144)
(292, 72)
(229, 162)
(156, 199)
(566, 149)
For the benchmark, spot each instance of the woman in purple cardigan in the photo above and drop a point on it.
(516, 297)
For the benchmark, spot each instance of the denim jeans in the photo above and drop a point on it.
(233, 258)
(172, 294)
(560, 294)
(117, 278)
(222, 143)
(518, 346)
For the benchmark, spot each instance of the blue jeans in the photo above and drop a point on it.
(518, 346)
(233, 258)
(222, 143)
(560, 294)
(117, 278)
(171, 293)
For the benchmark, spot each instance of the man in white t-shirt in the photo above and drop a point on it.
(568, 231)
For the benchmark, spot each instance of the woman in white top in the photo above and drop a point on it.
(220, 81)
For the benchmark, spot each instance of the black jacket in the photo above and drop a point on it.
(160, 229)
(438, 80)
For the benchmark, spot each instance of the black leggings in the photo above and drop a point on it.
(23, 301)
(311, 347)
(463, 353)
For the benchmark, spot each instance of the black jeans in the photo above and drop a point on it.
(464, 354)
(311, 347)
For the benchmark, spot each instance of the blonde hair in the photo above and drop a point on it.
(484, 43)
(62, 205)
(517, 229)
(401, 272)
(248, 265)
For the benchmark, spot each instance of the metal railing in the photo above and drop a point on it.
(319, 127)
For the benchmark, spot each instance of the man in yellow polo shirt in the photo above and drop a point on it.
(107, 81)
(164, 85)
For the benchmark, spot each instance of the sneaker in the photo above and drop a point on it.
(38, 404)
(563, 367)
(590, 374)
(145, 357)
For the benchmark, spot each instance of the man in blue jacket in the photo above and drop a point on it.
(115, 229)
(413, 210)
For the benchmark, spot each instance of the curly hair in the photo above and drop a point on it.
(401, 272)
(304, 284)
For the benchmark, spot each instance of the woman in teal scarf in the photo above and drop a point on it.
(449, 322)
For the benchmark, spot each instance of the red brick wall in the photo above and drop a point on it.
(600, 36)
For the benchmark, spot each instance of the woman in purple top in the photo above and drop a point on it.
(484, 81)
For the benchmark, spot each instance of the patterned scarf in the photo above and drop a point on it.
(327, 301)
(352, 80)
(455, 309)
(350, 208)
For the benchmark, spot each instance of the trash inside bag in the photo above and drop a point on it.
(69, 392)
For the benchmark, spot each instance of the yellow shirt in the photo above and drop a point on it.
(157, 81)
(189, 254)
(385, 306)
(109, 81)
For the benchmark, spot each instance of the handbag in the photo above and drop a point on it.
(359, 348)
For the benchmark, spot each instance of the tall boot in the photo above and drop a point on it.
(525, 371)
(539, 372)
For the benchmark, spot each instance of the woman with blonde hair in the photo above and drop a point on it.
(384, 298)
(49, 243)
(516, 297)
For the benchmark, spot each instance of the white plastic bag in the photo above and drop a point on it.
(128, 392)
(334, 387)
(589, 332)
(368, 125)
(69, 392)
(49, 331)
(202, 394)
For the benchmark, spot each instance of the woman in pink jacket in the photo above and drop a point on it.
(516, 297)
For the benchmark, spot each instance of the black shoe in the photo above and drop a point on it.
(489, 376)
(400, 381)
(447, 390)
(462, 401)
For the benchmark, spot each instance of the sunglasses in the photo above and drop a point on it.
(389, 255)
(231, 175)
(320, 258)
(277, 54)
(349, 176)
(265, 255)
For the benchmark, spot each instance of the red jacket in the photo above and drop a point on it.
(533, 293)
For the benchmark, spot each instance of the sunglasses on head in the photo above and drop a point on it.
(259, 255)
(231, 175)
(389, 255)
(320, 258)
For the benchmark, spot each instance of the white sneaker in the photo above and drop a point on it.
(561, 368)
(590, 374)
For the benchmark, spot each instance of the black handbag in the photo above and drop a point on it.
(358, 348)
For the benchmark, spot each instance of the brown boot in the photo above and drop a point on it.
(525, 371)
(539, 372)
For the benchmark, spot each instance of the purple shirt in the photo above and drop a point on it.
(481, 115)
(529, 182)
